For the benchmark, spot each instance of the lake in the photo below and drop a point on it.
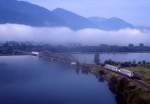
(118, 57)
(30, 80)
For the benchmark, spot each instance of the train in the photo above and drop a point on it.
(121, 71)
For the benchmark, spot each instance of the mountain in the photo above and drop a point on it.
(97, 19)
(73, 20)
(143, 28)
(111, 23)
(21, 12)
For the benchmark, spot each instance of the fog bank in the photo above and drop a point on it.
(63, 35)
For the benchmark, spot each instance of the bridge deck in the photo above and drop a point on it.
(60, 57)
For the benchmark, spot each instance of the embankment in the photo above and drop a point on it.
(127, 92)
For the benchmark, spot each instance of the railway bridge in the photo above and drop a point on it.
(66, 58)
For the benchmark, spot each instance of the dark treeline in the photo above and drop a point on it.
(12, 46)
(133, 63)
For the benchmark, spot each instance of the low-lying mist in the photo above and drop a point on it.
(63, 35)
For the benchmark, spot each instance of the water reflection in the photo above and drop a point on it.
(82, 70)
(100, 78)
(28, 80)
(118, 57)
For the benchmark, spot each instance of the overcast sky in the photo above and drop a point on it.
(133, 11)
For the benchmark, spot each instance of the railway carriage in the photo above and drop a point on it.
(122, 71)
(111, 67)
(126, 72)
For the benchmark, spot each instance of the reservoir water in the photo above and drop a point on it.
(30, 80)
(118, 57)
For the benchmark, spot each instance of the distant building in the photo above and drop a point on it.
(141, 45)
(131, 45)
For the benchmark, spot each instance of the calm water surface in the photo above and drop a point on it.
(119, 57)
(29, 80)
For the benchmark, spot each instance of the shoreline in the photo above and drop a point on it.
(107, 52)
(125, 89)
(15, 55)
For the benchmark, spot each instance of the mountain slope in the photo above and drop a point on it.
(12, 11)
(21, 12)
(73, 20)
(111, 23)
(97, 19)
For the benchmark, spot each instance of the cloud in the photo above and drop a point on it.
(63, 35)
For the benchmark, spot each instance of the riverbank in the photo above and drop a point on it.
(143, 71)
(127, 90)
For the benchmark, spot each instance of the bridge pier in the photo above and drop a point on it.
(59, 57)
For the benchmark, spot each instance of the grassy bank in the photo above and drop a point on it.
(142, 71)
(126, 91)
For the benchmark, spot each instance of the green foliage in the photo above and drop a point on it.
(142, 71)
(128, 93)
